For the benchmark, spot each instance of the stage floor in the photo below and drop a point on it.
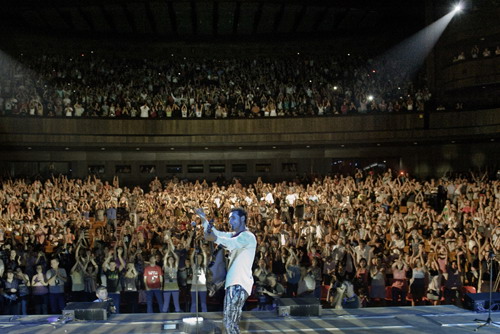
(386, 320)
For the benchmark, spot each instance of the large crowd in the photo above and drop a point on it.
(395, 239)
(92, 85)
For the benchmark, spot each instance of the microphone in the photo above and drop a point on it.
(491, 254)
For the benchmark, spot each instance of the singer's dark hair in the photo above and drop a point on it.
(241, 213)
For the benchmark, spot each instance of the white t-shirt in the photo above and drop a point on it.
(79, 111)
(144, 111)
(290, 199)
(362, 253)
(269, 198)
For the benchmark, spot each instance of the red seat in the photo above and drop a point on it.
(468, 289)
(388, 292)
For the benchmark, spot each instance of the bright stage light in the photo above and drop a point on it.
(370, 97)
(457, 8)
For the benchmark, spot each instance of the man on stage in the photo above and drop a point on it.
(239, 280)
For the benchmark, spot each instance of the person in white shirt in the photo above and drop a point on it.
(241, 245)
(345, 296)
(363, 251)
(144, 110)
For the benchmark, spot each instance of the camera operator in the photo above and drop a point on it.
(341, 294)
(271, 290)
(102, 297)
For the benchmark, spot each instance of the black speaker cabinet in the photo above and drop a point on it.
(86, 311)
(480, 302)
(301, 307)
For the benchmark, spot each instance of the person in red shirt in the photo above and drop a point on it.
(153, 281)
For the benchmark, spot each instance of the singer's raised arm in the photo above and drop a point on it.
(206, 225)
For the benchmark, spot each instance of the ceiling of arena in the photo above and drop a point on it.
(208, 19)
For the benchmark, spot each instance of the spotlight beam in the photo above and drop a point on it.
(411, 52)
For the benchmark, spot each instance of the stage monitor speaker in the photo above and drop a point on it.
(299, 307)
(480, 302)
(86, 311)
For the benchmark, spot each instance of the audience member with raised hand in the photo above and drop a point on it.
(129, 91)
(170, 269)
(332, 217)
(153, 282)
(199, 262)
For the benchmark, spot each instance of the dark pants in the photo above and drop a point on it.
(398, 293)
(166, 300)
(184, 294)
(317, 290)
(158, 295)
(351, 302)
(41, 303)
(132, 300)
(57, 302)
(202, 299)
(291, 289)
(11, 307)
(23, 302)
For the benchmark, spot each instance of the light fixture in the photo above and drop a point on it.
(103, 149)
(192, 320)
(457, 8)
